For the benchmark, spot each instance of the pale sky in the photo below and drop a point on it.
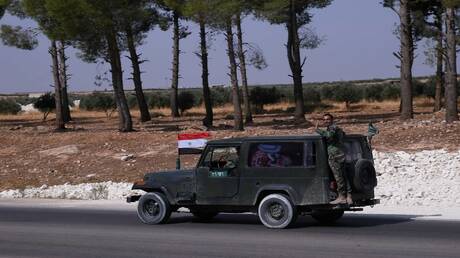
(359, 45)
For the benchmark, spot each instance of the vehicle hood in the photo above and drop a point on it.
(169, 174)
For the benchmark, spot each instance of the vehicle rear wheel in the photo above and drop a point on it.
(153, 208)
(327, 217)
(277, 211)
(204, 216)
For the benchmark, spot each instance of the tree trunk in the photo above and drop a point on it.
(134, 57)
(451, 69)
(175, 69)
(60, 125)
(64, 81)
(407, 57)
(243, 71)
(238, 116)
(439, 65)
(208, 120)
(293, 53)
(124, 117)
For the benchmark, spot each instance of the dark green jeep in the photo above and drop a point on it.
(277, 177)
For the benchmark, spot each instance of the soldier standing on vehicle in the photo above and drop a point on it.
(336, 157)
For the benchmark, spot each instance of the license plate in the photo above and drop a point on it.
(218, 173)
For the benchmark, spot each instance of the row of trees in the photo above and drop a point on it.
(314, 95)
(435, 20)
(104, 29)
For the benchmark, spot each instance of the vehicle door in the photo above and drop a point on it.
(217, 175)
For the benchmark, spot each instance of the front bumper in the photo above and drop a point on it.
(133, 198)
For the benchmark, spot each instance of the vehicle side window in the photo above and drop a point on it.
(353, 151)
(221, 158)
(310, 157)
(279, 154)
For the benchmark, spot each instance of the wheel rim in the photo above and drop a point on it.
(276, 211)
(151, 208)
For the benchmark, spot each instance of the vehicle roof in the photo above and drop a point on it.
(239, 140)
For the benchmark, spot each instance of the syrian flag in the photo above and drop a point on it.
(192, 143)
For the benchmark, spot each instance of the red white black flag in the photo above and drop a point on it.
(192, 143)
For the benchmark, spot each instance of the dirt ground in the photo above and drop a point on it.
(91, 150)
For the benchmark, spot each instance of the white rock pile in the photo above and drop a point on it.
(94, 191)
(426, 178)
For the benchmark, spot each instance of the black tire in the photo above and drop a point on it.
(277, 211)
(327, 217)
(153, 208)
(365, 178)
(204, 216)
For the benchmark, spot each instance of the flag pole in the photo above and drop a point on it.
(178, 156)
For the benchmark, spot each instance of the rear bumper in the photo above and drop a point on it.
(133, 198)
(356, 206)
(369, 202)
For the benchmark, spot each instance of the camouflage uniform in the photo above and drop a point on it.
(334, 138)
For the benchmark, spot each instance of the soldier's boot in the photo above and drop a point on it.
(349, 199)
(341, 199)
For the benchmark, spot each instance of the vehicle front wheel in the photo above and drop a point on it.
(153, 208)
(327, 217)
(276, 211)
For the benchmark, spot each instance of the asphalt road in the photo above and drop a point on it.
(52, 232)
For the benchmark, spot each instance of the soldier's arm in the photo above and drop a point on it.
(325, 133)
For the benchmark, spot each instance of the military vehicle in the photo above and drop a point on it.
(277, 177)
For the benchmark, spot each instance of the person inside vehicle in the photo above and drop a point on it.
(269, 155)
(229, 159)
(336, 157)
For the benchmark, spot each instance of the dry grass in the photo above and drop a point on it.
(282, 107)
(24, 116)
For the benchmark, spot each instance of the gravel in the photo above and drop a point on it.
(420, 179)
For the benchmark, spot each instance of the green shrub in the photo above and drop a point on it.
(8, 106)
(262, 96)
(132, 101)
(348, 93)
(311, 95)
(158, 100)
(45, 104)
(327, 92)
(391, 92)
(287, 93)
(186, 101)
(221, 96)
(99, 102)
(429, 88)
(418, 88)
(197, 96)
(374, 92)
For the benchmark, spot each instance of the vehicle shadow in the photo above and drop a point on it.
(361, 220)
(347, 221)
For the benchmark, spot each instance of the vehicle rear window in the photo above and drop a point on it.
(353, 151)
(279, 154)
